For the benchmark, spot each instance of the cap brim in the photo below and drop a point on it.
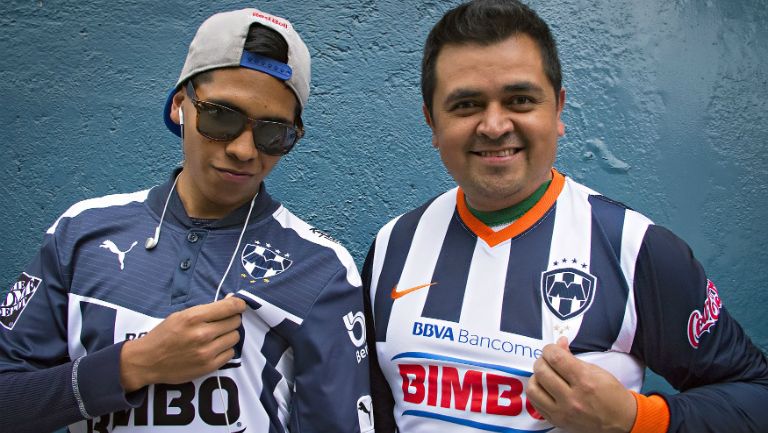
(173, 126)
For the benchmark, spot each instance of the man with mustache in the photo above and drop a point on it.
(523, 301)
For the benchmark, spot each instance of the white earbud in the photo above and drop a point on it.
(152, 242)
(181, 116)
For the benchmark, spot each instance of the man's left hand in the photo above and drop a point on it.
(578, 396)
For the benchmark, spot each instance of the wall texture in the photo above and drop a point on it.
(665, 111)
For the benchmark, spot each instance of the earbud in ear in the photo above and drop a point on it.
(181, 116)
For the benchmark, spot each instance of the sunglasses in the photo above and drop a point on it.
(222, 123)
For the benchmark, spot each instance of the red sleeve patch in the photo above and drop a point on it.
(700, 322)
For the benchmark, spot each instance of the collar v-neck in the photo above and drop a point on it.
(523, 223)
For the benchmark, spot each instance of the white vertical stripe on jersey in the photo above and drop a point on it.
(74, 327)
(290, 221)
(421, 260)
(571, 239)
(382, 243)
(484, 293)
(635, 226)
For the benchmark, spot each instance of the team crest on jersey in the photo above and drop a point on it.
(261, 261)
(567, 292)
(17, 299)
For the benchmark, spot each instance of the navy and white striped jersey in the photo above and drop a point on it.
(301, 364)
(460, 313)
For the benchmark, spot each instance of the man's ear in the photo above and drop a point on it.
(178, 98)
(560, 106)
(431, 124)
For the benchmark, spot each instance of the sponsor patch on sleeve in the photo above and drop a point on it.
(700, 322)
(16, 300)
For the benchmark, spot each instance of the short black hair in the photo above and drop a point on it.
(487, 22)
(266, 42)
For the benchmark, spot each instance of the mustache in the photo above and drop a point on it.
(506, 140)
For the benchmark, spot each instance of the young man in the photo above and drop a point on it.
(522, 301)
(121, 322)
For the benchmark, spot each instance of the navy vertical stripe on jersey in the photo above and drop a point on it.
(445, 298)
(608, 218)
(394, 260)
(98, 326)
(521, 291)
(273, 349)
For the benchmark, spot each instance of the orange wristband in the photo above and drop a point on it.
(652, 414)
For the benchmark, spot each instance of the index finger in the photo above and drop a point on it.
(218, 310)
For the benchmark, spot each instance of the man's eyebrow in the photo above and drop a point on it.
(523, 86)
(462, 94)
(229, 105)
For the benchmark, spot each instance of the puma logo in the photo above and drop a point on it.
(364, 409)
(120, 254)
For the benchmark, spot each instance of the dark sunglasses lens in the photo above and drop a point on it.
(273, 138)
(219, 123)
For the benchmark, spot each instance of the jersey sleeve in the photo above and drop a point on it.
(331, 389)
(686, 335)
(383, 402)
(41, 387)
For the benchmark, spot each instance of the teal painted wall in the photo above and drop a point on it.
(665, 111)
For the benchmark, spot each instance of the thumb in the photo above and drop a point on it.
(563, 343)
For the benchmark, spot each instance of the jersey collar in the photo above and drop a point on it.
(177, 215)
(526, 221)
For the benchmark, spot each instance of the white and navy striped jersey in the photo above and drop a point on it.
(301, 364)
(460, 313)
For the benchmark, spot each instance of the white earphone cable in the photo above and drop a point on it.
(151, 242)
(216, 298)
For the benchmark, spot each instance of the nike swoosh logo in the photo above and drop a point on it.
(397, 294)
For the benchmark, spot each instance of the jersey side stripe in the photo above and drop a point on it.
(446, 297)
(98, 203)
(290, 221)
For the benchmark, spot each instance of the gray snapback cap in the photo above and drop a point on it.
(219, 43)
